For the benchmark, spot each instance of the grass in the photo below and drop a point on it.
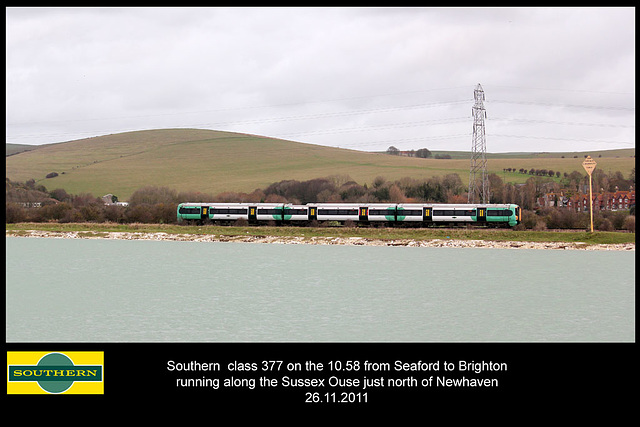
(588, 238)
(212, 162)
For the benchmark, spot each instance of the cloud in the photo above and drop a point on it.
(357, 78)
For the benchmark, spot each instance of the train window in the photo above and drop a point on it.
(381, 212)
(295, 211)
(186, 211)
(337, 211)
(269, 211)
(228, 211)
(278, 211)
(410, 212)
(499, 212)
(444, 213)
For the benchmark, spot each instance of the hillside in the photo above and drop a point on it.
(19, 148)
(214, 161)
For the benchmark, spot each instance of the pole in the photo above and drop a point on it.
(591, 202)
(589, 165)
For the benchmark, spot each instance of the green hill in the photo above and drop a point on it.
(19, 148)
(214, 161)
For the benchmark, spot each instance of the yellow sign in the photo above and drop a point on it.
(37, 372)
(589, 165)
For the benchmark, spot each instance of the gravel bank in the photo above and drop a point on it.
(355, 241)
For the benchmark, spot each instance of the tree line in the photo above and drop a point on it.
(152, 204)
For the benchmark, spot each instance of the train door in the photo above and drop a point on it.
(313, 213)
(481, 214)
(204, 213)
(427, 214)
(364, 214)
(253, 213)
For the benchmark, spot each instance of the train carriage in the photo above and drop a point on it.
(228, 211)
(295, 212)
(415, 214)
(279, 212)
(265, 212)
(378, 212)
(335, 212)
(454, 213)
(503, 214)
(192, 211)
(412, 213)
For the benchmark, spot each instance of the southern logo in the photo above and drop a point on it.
(77, 372)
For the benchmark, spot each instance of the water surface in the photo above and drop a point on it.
(98, 290)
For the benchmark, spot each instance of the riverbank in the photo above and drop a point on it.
(318, 240)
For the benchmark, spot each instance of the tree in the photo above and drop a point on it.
(423, 153)
(152, 195)
(396, 194)
(630, 224)
(393, 151)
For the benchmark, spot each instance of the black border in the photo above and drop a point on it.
(543, 376)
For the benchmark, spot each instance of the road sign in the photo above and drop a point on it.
(589, 165)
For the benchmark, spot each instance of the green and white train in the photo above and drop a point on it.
(414, 214)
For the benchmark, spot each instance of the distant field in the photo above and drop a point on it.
(19, 148)
(213, 162)
(624, 152)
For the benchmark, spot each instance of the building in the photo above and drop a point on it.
(603, 201)
(109, 199)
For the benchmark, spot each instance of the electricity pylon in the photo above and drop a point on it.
(478, 182)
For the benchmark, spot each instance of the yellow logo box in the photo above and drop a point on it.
(69, 372)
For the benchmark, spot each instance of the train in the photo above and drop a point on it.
(367, 214)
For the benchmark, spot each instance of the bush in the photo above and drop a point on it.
(14, 212)
(241, 222)
(563, 218)
(630, 224)
(71, 215)
(165, 213)
(151, 195)
(60, 195)
(113, 213)
(529, 219)
(54, 212)
(605, 225)
(140, 213)
(541, 225)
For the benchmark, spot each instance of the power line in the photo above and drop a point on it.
(352, 113)
(561, 139)
(565, 90)
(548, 104)
(561, 123)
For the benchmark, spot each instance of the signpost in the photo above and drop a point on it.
(589, 165)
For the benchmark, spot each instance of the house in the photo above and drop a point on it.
(604, 201)
(111, 200)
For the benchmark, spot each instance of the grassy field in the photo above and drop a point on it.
(345, 232)
(212, 162)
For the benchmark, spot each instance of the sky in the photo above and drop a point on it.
(554, 79)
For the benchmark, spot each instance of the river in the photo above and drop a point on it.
(104, 290)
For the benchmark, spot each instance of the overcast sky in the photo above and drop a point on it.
(555, 79)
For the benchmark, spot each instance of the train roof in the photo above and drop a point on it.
(338, 205)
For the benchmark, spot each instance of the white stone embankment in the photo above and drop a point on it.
(355, 241)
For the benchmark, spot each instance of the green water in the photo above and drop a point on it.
(75, 290)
